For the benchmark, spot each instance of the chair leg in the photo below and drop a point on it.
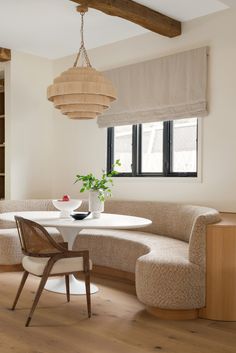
(36, 299)
(67, 287)
(88, 296)
(22, 283)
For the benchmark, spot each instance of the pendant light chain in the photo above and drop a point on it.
(82, 49)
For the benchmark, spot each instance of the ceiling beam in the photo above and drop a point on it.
(138, 14)
(5, 54)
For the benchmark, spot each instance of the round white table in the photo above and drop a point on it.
(69, 229)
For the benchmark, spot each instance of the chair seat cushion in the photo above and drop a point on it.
(36, 265)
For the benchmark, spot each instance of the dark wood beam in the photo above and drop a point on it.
(136, 13)
(5, 54)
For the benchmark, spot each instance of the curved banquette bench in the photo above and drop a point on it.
(167, 258)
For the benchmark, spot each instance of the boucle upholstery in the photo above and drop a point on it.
(23, 205)
(10, 249)
(168, 259)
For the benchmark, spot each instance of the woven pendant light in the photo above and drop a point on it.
(81, 92)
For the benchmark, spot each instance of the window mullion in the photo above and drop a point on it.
(139, 149)
(110, 148)
(134, 150)
(170, 147)
(166, 148)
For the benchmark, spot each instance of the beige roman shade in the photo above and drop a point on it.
(167, 88)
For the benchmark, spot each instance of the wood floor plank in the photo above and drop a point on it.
(119, 324)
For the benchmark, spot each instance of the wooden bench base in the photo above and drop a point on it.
(11, 268)
(166, 314)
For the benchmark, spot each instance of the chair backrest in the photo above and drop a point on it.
(34, 239)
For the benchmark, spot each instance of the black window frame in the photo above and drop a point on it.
(137, 153)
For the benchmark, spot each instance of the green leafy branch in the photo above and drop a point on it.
(103, 185)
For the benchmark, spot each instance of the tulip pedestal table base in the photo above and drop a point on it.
(76, 287)
(57, 284)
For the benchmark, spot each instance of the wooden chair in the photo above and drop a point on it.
(44, 257)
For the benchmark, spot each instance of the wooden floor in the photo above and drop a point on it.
(119, 324)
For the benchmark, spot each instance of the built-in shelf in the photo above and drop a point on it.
(2, 144)
(2, 116)
(2, 174)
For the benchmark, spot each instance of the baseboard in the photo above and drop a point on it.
(167, 314)
(11, 268)
(113, 273)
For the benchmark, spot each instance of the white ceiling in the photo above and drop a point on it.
(50, 28)
(185, 10)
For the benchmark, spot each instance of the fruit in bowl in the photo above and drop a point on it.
(64, 198)
(66, 205)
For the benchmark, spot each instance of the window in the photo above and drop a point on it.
(154, 149)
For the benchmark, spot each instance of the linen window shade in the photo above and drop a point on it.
(167, 88)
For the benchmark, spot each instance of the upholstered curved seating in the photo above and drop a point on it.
(168, 259)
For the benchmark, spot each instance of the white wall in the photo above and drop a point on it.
(28, 127)
(81, 146)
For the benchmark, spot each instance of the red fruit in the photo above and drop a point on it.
(66, 198)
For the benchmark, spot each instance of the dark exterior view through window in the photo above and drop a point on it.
(155, 149)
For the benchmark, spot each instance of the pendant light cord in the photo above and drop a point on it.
(82, 49)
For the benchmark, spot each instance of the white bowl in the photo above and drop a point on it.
(66, 207)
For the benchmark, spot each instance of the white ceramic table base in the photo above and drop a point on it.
(58, 285)
(76, 287)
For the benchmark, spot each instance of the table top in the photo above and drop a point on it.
(52, 219)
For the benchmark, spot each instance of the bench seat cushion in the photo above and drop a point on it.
(120, 249)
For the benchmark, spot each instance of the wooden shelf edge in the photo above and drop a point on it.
(227, 219)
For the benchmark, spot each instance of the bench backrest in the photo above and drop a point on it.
(170, 219)
(23, 205)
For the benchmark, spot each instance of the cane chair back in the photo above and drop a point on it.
(34, 239)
